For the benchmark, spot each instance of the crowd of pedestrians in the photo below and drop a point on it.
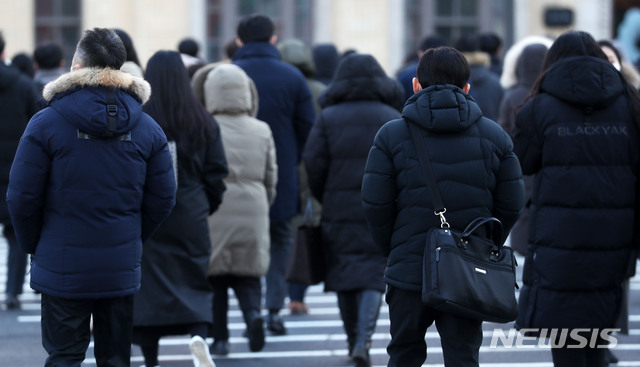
(142, 195)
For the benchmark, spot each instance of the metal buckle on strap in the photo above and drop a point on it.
(443, 220)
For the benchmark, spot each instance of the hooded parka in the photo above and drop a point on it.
(86, 190)
(240, 228)
(18, 98)
(579, 139)
(477, 173)
(356, 104)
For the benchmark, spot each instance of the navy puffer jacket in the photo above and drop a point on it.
(577, 136)
(478, 175)
(83, 203)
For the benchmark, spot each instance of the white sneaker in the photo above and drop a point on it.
(200, 352)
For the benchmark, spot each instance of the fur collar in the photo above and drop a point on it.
(478, 58)
(92, 77)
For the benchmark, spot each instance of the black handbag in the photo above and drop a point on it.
(307, 265)
(465, 273)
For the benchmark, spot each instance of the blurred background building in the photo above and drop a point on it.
(387, 29)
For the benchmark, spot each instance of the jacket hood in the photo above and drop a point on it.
(81, 98)
(360, 78)
(326, 58)
(442, 108)
(295, 52)
(229, 90)
(508, 77)
(530, 64)
(8, 76)
(583, 81)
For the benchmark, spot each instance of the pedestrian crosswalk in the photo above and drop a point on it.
(318, 339)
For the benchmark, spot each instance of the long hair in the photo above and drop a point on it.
(173, 104)
(132, 55)
(577, 43)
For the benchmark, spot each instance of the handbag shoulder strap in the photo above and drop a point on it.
(423, 157)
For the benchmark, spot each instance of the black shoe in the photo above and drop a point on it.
(255, 333)
(275, 324)
(361, 357)
(220, 347)
(609, 357)
(12, 303)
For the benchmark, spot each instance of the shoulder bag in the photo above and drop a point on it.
(464, 273)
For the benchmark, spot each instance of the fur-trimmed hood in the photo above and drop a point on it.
(81, 98)
(90, 77)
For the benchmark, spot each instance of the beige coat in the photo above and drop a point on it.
(240, 228)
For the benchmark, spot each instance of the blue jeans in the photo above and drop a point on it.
(280, 251)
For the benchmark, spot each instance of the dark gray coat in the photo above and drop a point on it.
(356, 104)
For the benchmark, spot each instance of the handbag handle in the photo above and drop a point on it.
(479, 222)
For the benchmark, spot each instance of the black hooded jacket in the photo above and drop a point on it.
(356, 104)
(477, 173)
(578, 137)
(18, 102)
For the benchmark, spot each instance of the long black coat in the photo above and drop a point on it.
(18, 98)
(356, 104)
(578, 138)
(175, 260)
(477, 173)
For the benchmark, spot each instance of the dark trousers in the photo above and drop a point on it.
(248, 291)
(580, 357)
(66, 333)
(460, 338)
(16, 263)
(280, 252)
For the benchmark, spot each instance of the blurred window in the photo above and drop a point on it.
(292, 18)
(58, 21)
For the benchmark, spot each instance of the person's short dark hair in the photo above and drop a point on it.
(189, 47)
(101, 48)
(255, 28)
(2, 44)
(468, 42)
(230, 48)
(489, 43)
(23, 63)
(443, 65)
(432, 41)
(48, 56)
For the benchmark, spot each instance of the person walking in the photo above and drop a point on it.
(293, 51)
(356, 104)
(240, 228)
(175, 297)
(91, 181)
(18, 102)
(49, 60)
(477, 174)
(132, 64)
(485, 84)
(579, 124)
(527, 67)
(285, 104)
